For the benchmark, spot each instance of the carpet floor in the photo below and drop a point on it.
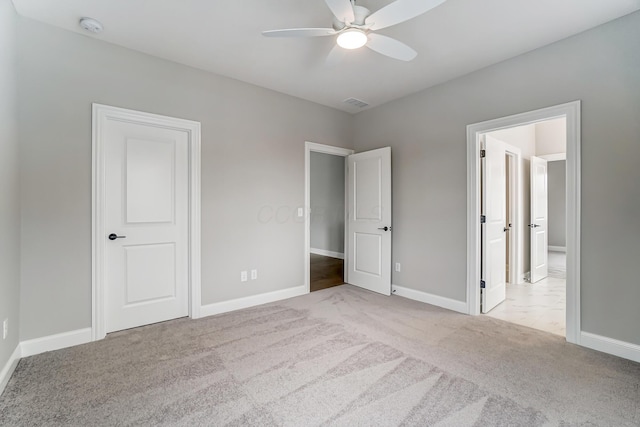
(340, 356)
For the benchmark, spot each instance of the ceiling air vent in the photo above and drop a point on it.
(355, 102)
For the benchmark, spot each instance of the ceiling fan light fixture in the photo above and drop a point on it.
(352, 39)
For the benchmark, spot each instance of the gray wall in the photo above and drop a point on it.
(252, 169)
(327, 202)
(427, 135)
(9, 188)
(557, 195)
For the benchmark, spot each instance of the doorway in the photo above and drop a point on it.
(571, 113)
(325, 196)
(367, 217)
(536, 294)
(327, 220)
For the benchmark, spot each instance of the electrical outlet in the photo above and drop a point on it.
(254, 274)
(5, 329)
(398, 267)
(243, 276)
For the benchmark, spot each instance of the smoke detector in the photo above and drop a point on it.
(91, 25)
(356, 102)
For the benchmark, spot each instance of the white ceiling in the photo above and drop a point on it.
(224, 37)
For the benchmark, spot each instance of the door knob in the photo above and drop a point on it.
(533, 225)
(385, 228)
(114, 236)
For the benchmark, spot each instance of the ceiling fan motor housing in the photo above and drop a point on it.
(360, 14)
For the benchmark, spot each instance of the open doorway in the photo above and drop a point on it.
(535, 294)
(367, 240)
(476, 270)
(326, 221)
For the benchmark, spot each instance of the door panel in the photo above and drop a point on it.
(150, 181)
(146, 189)
(368, 250)
(494, 208)
(368, 197)
(150, 273)
(539, 220)
(369, 206)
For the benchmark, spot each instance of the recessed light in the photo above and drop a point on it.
(91, 25)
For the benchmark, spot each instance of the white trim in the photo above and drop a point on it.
(9, 367)
(324, 252)
(554, 157)
(101, 113)
(448, 303)
(557, 248)
(251, 301)
(611, 346)
(55, 342)
(571, 111)
(327, 149)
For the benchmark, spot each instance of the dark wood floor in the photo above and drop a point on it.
(326, 272)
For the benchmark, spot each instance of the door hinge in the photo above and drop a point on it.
(483, 153)
(482, 284)
(483, 219)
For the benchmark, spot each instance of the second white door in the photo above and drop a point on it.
(369, 220)
(539, 220)
(146, 239)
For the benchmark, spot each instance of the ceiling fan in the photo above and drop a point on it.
(355, 26)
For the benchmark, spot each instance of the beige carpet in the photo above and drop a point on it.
(341, 356)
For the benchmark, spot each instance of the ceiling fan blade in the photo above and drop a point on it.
(390, 47)
(300, 32)
(400, 11)
(335, 57)
(342, 9)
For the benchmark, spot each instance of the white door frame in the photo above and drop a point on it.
(100, 114)
(326, 149)
(571, 111)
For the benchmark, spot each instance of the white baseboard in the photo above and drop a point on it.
(609, 345)
(237, 304)
(448, 303)
(322, 252)
(55, 342)
(557, 248)
(9, 367)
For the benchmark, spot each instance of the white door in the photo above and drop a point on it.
(146, 195)
(539, 226)
(494, 210)
(369, 225)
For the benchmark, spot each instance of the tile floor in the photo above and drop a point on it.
(540, 305)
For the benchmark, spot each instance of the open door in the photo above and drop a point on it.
(494, 226)
(369, 224)
(539, 213)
